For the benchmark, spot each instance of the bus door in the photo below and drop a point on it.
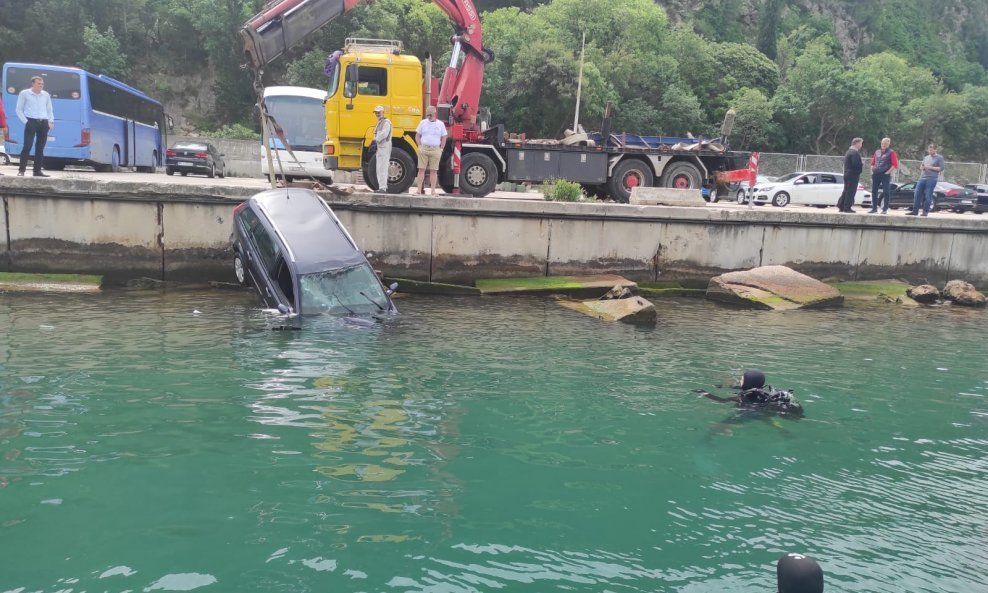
(130, 142)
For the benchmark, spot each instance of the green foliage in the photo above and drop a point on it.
(560, 190)
(919, 72)
(753, 125)
(768, 27)
(719, 20)
(233, 132)
(103, 54)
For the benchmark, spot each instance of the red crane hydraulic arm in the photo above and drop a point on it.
(283, 24)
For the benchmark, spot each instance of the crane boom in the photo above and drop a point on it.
(283, 24)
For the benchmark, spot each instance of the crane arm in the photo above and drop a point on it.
(283, 24)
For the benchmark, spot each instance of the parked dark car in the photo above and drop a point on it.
(194, 157)
(293, 249)
(946, 196)
(982, 201)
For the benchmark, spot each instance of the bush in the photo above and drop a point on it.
(560, 190)
(233, 132)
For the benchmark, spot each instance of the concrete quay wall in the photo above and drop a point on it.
(126, 230)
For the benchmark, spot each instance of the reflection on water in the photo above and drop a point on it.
(483, 445)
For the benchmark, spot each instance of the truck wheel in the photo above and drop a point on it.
(478, 174)
(628, 174)
(682, 175)
(401, 171)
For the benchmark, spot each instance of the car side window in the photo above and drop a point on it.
(267, 249)
(828, 179)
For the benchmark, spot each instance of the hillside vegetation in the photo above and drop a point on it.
(803, 75)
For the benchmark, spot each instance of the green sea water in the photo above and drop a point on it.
(172, 442)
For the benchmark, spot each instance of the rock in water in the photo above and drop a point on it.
(963, 293)
(773, 287)
(924, 293)
(629, 310)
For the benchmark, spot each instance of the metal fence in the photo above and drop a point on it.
(776, 164)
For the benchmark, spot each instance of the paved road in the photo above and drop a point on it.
(262, 184)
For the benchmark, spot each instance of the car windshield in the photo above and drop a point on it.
(788, 177)
(353, 290)
(188, 146)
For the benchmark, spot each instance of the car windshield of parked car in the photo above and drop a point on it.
(189, 146)
(348, 291)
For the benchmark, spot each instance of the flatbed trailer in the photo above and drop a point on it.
(605, 168)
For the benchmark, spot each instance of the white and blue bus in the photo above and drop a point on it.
(99, 122)
(301, 113)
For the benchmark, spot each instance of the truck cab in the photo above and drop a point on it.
(367, 73)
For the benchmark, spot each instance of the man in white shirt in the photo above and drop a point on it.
(35, 112)
(431, 139)
(382, 137)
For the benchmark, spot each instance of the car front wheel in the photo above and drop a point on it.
(780, 200)
(239, 271)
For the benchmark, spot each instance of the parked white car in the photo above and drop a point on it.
(741, 189)
(814, 188)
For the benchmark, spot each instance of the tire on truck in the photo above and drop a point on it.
(628, 174)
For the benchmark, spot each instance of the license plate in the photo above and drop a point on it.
(296, 168)
(966, 202)
(184, 164)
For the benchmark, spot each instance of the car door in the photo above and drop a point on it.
(263, 258)
(802, 189)
(829, 187)
(902, 196)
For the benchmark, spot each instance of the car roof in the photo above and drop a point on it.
(314, 236)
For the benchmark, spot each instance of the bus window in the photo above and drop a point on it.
(60, 85)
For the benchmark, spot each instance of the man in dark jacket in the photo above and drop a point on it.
(852, 174)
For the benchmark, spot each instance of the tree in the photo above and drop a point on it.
(812, 104)
(103, 54)
(753, 125)
(768, 28)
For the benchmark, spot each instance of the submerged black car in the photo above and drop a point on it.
(194, 157)
(293, 249)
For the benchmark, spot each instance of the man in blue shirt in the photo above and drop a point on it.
(930, 170)
(35, 112)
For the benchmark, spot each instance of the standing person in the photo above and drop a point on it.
(35, 112)
(382, 137)
(3, 125)
(930, 170)
(852, 174)
(430, 136)
(883, 162)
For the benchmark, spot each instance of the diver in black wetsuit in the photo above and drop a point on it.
(796, 573)
(755, 396)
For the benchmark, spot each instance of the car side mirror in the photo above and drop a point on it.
(283, 309)
(392, 288)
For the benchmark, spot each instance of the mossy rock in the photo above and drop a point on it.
(26, 282)
(890, 291)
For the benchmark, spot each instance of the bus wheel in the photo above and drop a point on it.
(4, 158)
(478, 174)
(115, 160)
